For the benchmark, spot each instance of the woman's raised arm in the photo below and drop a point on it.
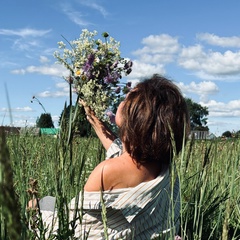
(105, 135)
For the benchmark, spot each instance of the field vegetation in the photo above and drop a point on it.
(33, 166)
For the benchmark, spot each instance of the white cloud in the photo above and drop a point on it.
(78, 17)
(25, 32)
(188, 56)
(141, 70)
(161, 43)
(24, 45)
(19, 71)
(74, 16)
(26, 39)
(219, 125)
(55, 118)
(52, 70)
(204, 63)
(221, 109)
(202, 89)
(158, 49)
(56, 70)
(17, 109)
(44, 59)
(23, 109)
(47, 94)
(206, 76)
(63, 91)
(6, 64)
(24, 121)
(219, 41)
(95, 6)
(63, 86)
(215, 64)
(223, 116)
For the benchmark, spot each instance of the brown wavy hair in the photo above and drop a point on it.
(153, 111)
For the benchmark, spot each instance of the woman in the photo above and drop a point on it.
(136, 184)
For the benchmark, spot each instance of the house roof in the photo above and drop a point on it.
(49, 131)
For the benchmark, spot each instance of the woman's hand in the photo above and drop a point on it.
(33, 204)
(105, 134)
(88, 111)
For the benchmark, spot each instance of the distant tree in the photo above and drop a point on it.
(227, 134)
(237, 134)
(45, 121)
(198, 115)
(79, 122)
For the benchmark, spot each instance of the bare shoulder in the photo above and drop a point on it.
(94, 182)
(103, 176)
(119, 172)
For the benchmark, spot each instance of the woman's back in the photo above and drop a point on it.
(121, 172)
(136, 212)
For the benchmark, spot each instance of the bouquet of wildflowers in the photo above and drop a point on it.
(96, 69)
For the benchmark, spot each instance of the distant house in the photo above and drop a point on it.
(202, 135)
(10, 130)
(49, 131)
(211, 136)
(33, 131)
(199, 135)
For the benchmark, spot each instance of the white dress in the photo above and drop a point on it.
(149, 210)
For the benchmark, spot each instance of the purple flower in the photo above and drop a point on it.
(118, 89)
(127, 88)
(116, 76)
(178, 238)
(128, 65)
(115, 64)
(87, 66)
(129, 84)
(70, 79)
(109, 79)
(112, 78)
(89, 75)
(111, 116)
(129, 70)
(91, 58)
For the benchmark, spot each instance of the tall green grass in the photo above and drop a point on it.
(209, 175)
(33, 167)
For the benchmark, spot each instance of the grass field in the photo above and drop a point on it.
(33, 166)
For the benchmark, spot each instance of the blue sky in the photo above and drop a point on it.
(194, 43)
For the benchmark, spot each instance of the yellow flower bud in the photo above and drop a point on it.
(78, 72)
